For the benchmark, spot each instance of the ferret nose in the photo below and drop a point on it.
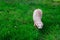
(40, 27)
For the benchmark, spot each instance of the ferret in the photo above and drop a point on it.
(37, 16)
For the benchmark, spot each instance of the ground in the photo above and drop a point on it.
(16, 21)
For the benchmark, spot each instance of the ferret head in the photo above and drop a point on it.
(40, 25)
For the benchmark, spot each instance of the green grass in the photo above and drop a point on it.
(16, 21)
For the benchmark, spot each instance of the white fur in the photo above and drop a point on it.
(37, 16)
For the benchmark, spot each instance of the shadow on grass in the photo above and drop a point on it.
(44, 31)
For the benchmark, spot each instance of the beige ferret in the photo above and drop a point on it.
(37, 16)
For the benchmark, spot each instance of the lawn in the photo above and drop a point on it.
(16, 21)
